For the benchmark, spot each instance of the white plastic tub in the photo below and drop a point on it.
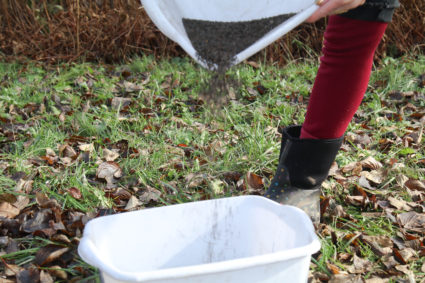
(231, 240)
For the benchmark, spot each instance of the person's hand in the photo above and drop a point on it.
(331, 7)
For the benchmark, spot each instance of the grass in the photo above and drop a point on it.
(171, 136)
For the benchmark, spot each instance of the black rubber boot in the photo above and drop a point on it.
(303, 165)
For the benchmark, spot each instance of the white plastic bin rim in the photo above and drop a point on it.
(167, 16)
(88, 251)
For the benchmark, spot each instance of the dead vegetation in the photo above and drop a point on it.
(113, 31)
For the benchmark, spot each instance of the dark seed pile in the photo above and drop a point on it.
(217, 44)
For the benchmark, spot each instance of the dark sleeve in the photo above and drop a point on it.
(374, 10)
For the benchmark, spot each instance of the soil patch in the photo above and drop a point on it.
(217, 44)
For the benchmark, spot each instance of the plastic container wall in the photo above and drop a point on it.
(238, 239)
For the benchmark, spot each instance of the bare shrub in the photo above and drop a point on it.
(115, 30)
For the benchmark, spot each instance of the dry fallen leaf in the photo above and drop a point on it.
(354, 167)
(375, 280)
(39, 222)
(397, 166)
(12, 270)
(408, 254)
(28, 275)
(2, 280)
(357, 200)
(362, 139)
(49, 253)
(405, 269)
(371, 163)
(344, 257)
(60, 238)
(110, 155)
(67, 151)
(149, 194)
(195, 180)
(217, 186)
(338, 211)
(254, 182)
(45, 277)
(241, 184)
(346, 278)
(335, 172)
(50, 152)
(253, 64)
(231, 93)
(131, 87)
(175, 163)
(58, 272)
(364, 183)
(132, 203)
(373, 176)
(333, 268)
(44, 201)
(66, 161)
(415, 185)
(399, 204)
(74, 192)
(21, 202)
(383, 241)
(120, 102)
(381, 245)
(109, 171)
(7, 210)
(359, 265)
(24, 185)
(412, 221)
(401, 180)
(87, 147)
(318, 277)
(389, 261)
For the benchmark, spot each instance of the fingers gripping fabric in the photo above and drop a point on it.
(374, 10)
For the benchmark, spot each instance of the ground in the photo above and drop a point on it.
(79, 141)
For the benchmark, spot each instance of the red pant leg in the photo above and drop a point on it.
(343, 76)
